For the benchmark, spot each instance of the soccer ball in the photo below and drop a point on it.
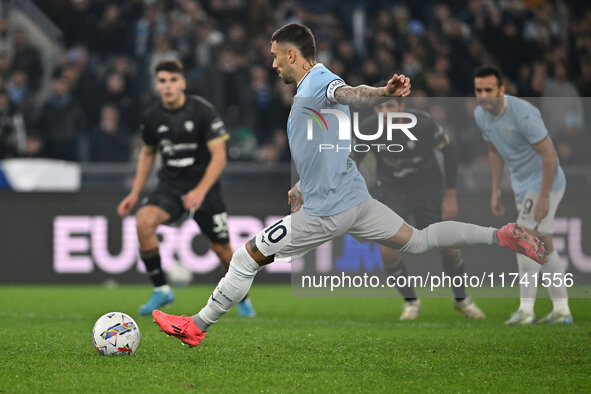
(115, 333)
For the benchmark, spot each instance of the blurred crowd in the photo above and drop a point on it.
(88, 107)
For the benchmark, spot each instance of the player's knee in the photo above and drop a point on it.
(527, 225)
(256, 254)
(418, 242)
(145, 222)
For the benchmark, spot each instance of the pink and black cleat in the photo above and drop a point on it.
(513, 236)
(181, 327)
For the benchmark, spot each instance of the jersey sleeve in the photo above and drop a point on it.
(148, 134)
(532, 126)
(214, 126)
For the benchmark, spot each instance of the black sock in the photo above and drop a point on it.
(397, 268)
(455, 267)
(151, 259)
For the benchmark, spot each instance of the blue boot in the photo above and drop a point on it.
(245, 308)
(158, 299)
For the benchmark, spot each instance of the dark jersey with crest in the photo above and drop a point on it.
(181, 136)
(415, 167)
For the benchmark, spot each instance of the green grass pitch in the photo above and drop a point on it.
(293, 345)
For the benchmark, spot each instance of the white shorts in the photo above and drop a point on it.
(526, 212)
(298, 233)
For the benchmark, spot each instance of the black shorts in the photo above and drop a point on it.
(424, 205)
(211, 217)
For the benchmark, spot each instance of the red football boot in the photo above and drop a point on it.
(181, 327)
(513, 236)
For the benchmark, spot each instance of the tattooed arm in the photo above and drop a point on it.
(397, 86)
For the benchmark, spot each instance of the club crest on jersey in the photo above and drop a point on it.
(189, 126)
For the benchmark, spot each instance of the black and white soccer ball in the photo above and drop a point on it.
(115, 333)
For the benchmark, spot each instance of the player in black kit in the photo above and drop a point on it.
(191, 139)
(410, 182)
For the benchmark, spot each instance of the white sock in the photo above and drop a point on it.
(164, 288)
(527, 294)
(448, 235)
(558, 294)
(230, 290)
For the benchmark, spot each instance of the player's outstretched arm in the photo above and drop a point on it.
(397, 86)
(549, 160)
(144, 166)
(295, 198)
(449, 204)
(496, 166)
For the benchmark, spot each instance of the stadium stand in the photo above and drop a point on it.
(65, 61)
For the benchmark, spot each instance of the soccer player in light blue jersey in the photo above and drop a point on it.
(331, 198)
(516, 135)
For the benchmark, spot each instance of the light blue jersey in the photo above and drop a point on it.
(513, 132)
(330, 181)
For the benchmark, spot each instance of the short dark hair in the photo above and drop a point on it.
(299, 35)
(172, 66)
(487, 70)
